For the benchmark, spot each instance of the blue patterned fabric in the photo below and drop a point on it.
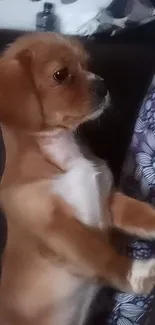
(138, 180)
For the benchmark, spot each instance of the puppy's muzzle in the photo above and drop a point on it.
(98, 86)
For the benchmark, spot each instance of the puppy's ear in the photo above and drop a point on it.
(19, 103)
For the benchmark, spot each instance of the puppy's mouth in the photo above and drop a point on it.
(99, 109)
(96, 114)
(100, 97)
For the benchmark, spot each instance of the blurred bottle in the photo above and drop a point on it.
(47, 20)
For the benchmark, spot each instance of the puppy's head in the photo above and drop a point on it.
(44, 84)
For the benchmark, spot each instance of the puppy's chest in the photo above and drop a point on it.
(85, 188)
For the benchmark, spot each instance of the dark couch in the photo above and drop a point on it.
(127, 63)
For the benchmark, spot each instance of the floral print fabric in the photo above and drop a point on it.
(139, 169)
(130, 309)
(138, 181)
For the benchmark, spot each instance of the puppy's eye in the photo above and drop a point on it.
(61, 75)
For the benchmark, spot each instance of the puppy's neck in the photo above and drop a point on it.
(60, 148)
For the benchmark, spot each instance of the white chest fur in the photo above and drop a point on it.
(79, 188)
(84, 185)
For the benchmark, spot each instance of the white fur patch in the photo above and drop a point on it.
(79, 188)
(142, 276)
(60, 147)
(82, 186)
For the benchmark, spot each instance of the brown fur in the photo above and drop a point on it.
(43, 232)
(132, 216)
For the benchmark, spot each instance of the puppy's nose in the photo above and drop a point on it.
(99, 87)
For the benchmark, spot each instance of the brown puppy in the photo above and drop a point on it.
(51, 194)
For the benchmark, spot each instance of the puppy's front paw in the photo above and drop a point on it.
(142, 276)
